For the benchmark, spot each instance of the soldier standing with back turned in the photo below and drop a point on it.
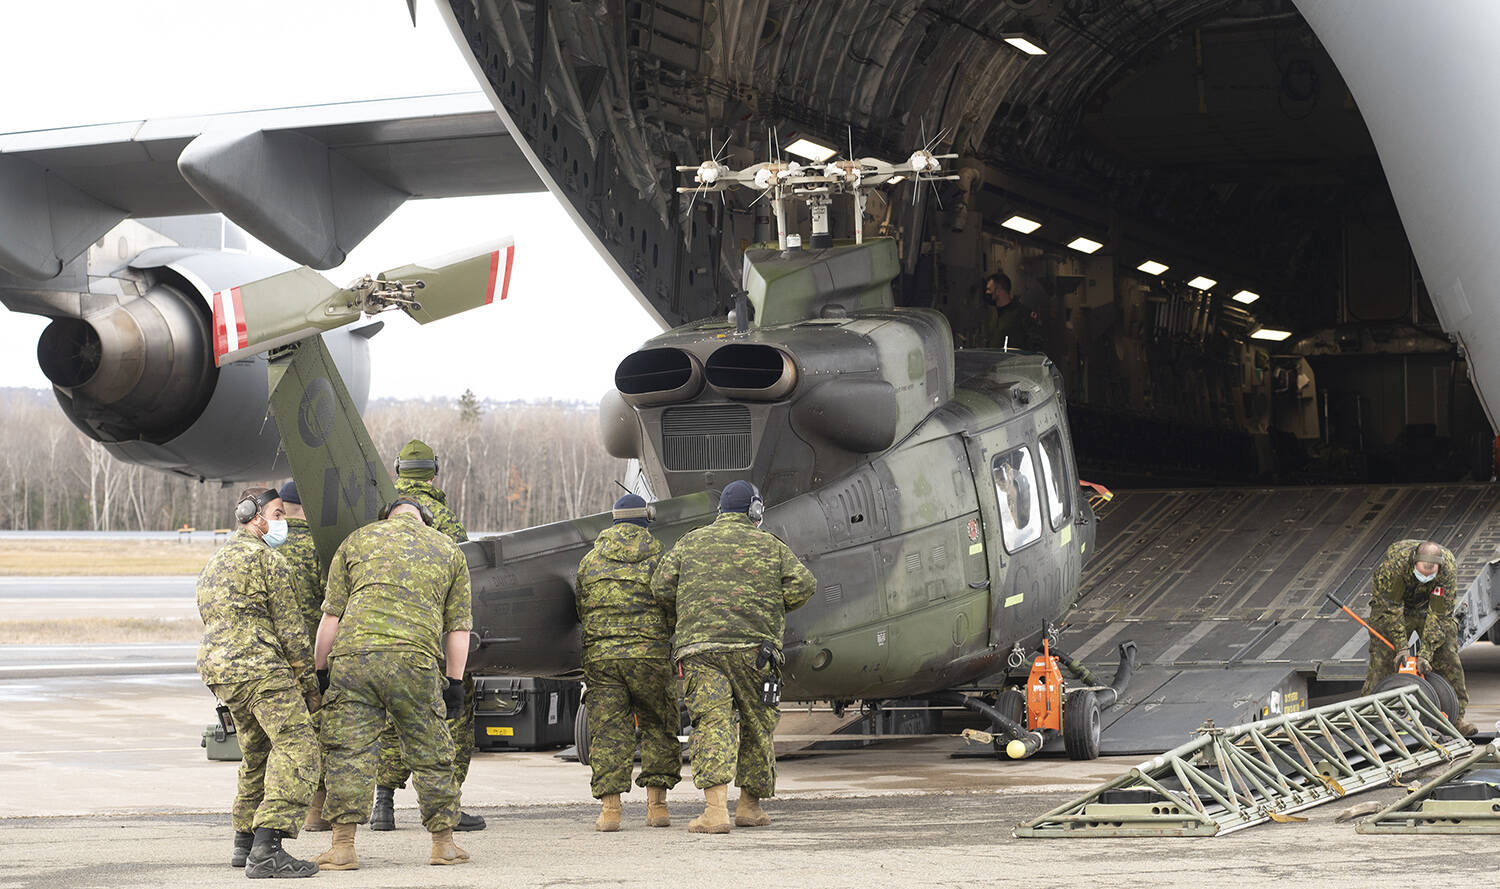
(416, 480)
(731, 585)
(398, 600)
(627, 666)
(255, 658)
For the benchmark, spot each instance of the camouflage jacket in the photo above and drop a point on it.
(621, 618)
(252, 625)
(431, 496)
(307, 575)
(397, 585)
(1398, 600)
(731, 585)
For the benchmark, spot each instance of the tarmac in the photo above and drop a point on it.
(103, 782)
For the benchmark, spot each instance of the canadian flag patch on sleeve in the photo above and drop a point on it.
(1437, 591)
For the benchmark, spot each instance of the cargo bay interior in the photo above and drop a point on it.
(1185, 194)
(1250, 310)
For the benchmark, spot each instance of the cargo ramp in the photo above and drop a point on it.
(1222, 591)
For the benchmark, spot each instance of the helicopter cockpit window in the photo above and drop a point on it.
(1016, 489)
(1055, 474)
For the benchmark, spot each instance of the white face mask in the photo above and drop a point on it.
(275, 532)
(1423, 578)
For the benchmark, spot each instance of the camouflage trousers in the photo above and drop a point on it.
(393, 771)
(623, 694)
(1442, 653)
(364, 689)
(719, 685)
(279, 750)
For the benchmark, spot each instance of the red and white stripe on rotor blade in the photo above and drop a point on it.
(510, 255)
(229, 324)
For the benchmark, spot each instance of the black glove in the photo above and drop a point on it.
(453, 698)
(322, 680)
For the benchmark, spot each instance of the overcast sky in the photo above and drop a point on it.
(568, 320)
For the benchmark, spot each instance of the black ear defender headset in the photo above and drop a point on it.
(251, 505)
(757, 510)
(422, 510)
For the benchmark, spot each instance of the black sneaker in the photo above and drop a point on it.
(469, 822)
(267, 860)
(242, 841)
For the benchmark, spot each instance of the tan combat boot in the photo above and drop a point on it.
(656, 807)
(340, 856)
(314, 820)
(609, 813)
(748, 813)
(715, 817)
(445, 851)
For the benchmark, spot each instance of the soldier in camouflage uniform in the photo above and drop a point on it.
(302, 556)
(627, 667)
(1415, 589)
(416, 479)
(307, 575)
(398, 600)
(731, 585)
(255, 658)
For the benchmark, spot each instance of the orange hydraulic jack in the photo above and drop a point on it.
(1044, 688)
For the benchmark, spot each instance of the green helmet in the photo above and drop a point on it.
(416, 460)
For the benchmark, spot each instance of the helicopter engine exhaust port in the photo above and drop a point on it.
(659, 376)
(752, 372)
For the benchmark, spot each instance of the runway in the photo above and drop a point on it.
(96, 588)
(100, 750)
(46, 598)
(125, 659)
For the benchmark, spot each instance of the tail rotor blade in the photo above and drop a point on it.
(275, 311)
(459, 281)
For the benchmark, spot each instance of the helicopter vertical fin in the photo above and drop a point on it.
(340, 477)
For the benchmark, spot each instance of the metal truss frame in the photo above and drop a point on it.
(1230, 779)
(1418, 812)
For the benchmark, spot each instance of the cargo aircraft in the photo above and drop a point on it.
(1202, 137)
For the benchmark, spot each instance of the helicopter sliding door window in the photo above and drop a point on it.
(1054, 473)
(1016, 489)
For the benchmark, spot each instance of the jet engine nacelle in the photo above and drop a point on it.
(135, 371)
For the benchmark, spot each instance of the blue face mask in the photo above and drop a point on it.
(275, 532)
(1423, 578)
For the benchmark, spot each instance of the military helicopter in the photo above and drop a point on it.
(932, 492)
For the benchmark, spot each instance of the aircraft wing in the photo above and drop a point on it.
(310, 182)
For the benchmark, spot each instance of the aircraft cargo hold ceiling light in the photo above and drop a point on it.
(1270, 333)
(1152, 267)
(1085, 245)
(1246, 297)
(1027, 43)
(811, 150)
(1021, 224)
(1202, 282)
